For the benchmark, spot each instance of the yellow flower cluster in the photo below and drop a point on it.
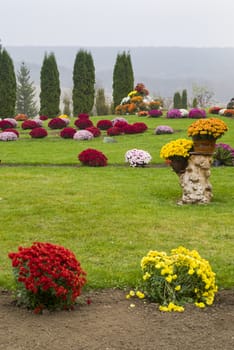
(63, 116)
(179, 147)
(132, 93)
(178, 278)
(212, 127)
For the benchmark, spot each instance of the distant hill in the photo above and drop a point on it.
(164, 70)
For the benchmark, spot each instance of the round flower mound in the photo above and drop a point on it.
(92, 157)
(12, 130)
(163, 129)
(140, 127)
(129, 129)
(43, 117)
(184, 112)
(143, 114)
(214, 110)
(155, 113)
(114, 131)
(83, 123)
(68, 133)
(228, 113)
(38, 121)
(177, 279)
(121, 124)
(95, 131)
(83, 116)
(38, 133)
(211, 127)
(48, 276)
(6, 124)
(81, 135)
(29, 124)
(118, 119)
(174, 114)
(21, 117)
(8, 136)
(137, 157)
(176, 148)
(57, 123)
(104, 124)
(12, 121)
(197, 113)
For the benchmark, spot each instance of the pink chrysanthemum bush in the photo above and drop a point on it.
(38, 133)
(176, 279)
(12, 130)
(83, 135)
(8, 136)
(92, 157)
(47, 276)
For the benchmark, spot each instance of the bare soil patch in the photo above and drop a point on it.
(109, 322)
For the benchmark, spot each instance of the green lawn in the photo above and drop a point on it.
(111, 217)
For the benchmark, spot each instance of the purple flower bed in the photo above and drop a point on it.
(155, 113)
(197, 113)
(174, 114)
(163, 129)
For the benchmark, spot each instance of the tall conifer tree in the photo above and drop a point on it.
(7, 85)
(25, 92)
(123, 77)
(83, 92)
(50, 87)
(184, 99)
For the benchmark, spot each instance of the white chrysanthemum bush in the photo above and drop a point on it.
(137, 157)
(176, 279)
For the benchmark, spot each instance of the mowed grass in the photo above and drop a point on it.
(111, 217)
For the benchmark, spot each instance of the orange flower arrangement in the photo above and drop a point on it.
(212, 128)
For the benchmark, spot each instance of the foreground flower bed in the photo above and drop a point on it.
(176, 279)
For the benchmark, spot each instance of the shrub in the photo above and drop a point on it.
(174, 114)
(121, 124)
(92, 157)
(43, 117)
(129, 129)
(68, 133)
(223, 155)
(29, 124)
(8, 136)
(197, 113)
(104, 124)
(163, 129)
(137, 157)
(175, 279)
(114, 131)
(21, 117)
(83, 123)
(140, 127)
(155, 113)
(95, 131)
(38, 133)
(82, 135)
(12, 121)
(57, 123)
(12, 130)
(6, 124)
(47, 276)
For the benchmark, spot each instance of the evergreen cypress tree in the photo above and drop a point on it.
(50, 87)
(25, 93)
(101, 106)
(7, 85)
(83, 92)
(123, 77)
(177, 100)
(184, 99)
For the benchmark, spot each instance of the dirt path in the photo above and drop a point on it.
(110, 323)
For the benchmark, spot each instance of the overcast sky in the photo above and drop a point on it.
(196, 23)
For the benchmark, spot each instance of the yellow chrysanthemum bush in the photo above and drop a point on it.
(210, 127)
(176, 148)
(176, 279)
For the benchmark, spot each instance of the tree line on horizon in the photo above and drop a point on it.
(17, 92)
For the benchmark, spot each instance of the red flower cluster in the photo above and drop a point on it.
(104, 124)
(121, 124)
(48, 276)
(83, 116)
(68, 133)
(6, 124)
(29, 124)
(92, 157)
(140, 127)
(38, 133)
(95, 131)
(140, 88)
(43, 117)
(83, 123)
(57, 123)
(114, 131)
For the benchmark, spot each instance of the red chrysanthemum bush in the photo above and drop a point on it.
(104, 124)
(38, 133)
(114, 131)
(47, 276)
(83, 116)
(68, 133)
(121, 124)
(95, 131)
(43, 117)
(57, 123)
(83, 123)
(6, 124)
(92, 157)
(129, 129)
(12, 130)
(140, 127)
(29, 124)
